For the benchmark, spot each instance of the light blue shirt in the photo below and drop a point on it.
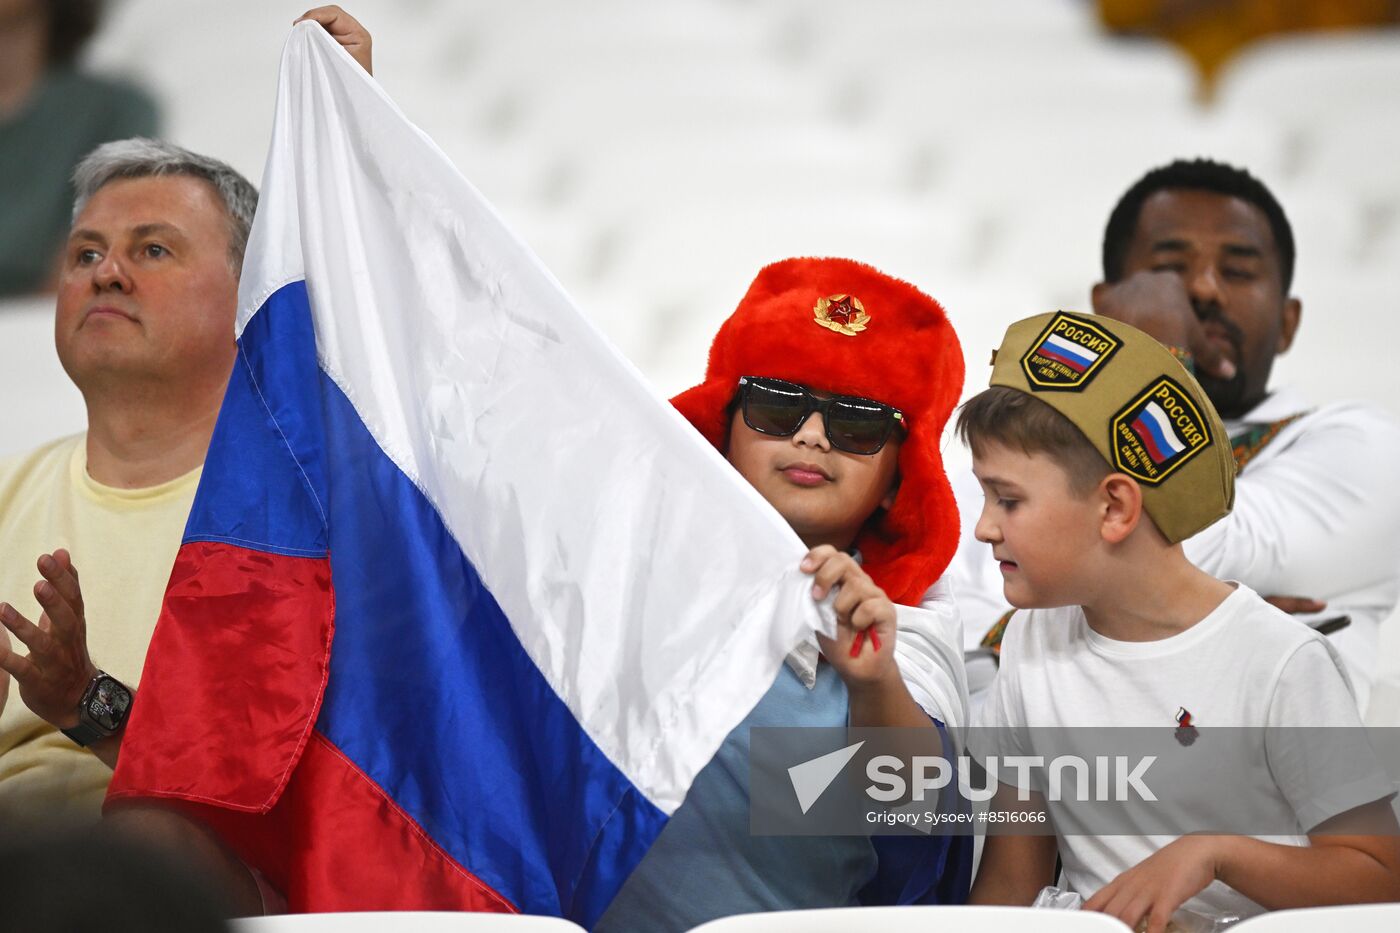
(706, 864)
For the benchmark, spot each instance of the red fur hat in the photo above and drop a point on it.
(886, 341)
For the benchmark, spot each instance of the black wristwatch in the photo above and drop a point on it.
(102, 710)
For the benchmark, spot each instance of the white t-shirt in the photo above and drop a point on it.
(1244, 664)
(1317, 515)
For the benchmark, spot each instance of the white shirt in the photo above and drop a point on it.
(1244, 664)
(1317, 515)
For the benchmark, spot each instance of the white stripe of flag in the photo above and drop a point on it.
(1074, 350)
(1155, 412)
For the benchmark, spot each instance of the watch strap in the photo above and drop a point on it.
(84, 734)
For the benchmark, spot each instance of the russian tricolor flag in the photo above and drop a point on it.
(462, 607)
(1154, 429)
(1071, 354)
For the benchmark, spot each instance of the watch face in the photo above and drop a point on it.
(108, 704)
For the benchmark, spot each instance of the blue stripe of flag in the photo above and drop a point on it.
(1150, 425)
(431, 692)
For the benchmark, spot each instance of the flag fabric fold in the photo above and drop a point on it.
(462, 607)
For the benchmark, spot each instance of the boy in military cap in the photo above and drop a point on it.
(1098, 454)
(828, 390)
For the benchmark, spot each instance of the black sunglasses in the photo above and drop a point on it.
(779, 408)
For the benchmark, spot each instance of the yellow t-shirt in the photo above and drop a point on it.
(123, 543)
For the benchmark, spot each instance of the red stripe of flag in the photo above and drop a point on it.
(1145, 435)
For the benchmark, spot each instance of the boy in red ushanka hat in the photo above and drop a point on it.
(828, 389)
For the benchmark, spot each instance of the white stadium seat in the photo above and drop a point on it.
(919, 920)
(1359, 918)
(1357, 157)
(39, 402)
(403, 922)
(876, 30)
(1036, 163)
(1350, 322)
(951, 95)
(789, 164)
(1313, 81)
(682, 274)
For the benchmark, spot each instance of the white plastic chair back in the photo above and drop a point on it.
(918, 920)
(40, 403)
(403, 922)
(1355, 918)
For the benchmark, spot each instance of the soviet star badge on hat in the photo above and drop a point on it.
(1135, 403)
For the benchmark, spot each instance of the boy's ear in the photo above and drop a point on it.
(731, 417)
(887, 503)
(1122, 501)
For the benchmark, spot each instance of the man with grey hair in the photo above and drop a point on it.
(144, 327)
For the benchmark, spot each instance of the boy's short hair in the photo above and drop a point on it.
(1022, 422)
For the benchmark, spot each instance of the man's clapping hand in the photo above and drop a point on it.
(53, 676)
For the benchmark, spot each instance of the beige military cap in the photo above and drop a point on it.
(1136, 404)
